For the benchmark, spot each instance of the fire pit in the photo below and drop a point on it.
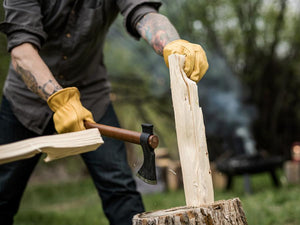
(249, 164)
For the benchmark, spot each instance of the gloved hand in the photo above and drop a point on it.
(196, 63)
(69, 114)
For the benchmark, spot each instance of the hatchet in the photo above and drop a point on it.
(146, 139)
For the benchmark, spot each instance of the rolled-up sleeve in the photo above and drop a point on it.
(23, 23)
(133, 10)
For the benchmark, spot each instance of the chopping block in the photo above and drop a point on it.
(197, 179)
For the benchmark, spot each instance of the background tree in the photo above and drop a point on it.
(253, 80)
(259, 40)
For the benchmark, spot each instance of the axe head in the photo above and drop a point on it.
(147, 172)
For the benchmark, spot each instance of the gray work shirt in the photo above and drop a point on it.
(70, 37)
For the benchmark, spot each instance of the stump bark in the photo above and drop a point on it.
(218, 213)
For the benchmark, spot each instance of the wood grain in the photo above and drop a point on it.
(55, 146)
(191, 138)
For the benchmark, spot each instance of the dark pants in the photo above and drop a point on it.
(107, 166)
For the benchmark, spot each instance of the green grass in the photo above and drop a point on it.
(77, 202)
(62, 203)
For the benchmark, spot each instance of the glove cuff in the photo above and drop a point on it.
(168, 50)
(61, 97)
(177, 41)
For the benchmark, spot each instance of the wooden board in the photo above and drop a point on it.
(227, 212)
(191, 136)
(55, 146)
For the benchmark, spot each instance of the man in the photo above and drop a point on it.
(57, 64)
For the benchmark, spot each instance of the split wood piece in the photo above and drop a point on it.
(191, 138)
(227, 212)
(55, 146)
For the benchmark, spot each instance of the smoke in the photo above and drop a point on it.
(222, 98)
(221, 94)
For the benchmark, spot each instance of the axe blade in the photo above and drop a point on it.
(147, 172)
(146, 139)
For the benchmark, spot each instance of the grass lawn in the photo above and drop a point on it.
(77, 202)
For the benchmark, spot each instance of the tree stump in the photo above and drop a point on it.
(218, 213)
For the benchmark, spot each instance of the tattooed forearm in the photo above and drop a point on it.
(157, 30)
(33, 70)
(44, 90)
(28, 79)
(49, 88)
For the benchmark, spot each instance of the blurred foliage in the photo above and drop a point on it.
(259, 43)
(253, 51)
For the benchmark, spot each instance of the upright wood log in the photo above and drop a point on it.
(191, 137)
(219, 213)
(196, 173)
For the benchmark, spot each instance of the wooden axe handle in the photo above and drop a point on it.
(122, 134)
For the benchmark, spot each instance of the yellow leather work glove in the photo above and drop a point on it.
(69, 114)
(196, 63)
